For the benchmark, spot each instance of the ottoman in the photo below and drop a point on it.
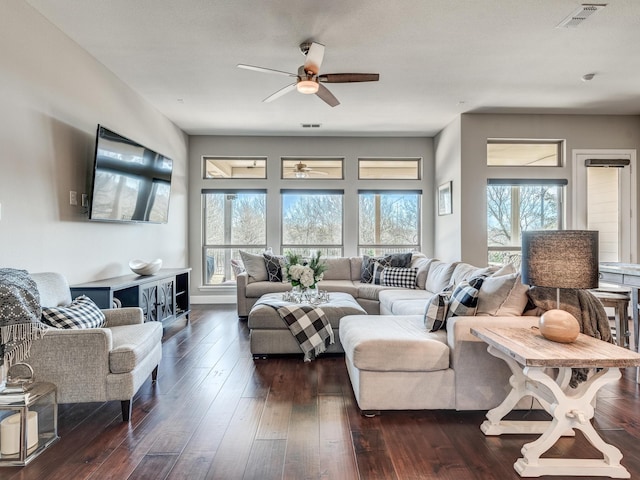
(271, 335)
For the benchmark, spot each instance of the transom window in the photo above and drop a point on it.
(233, 220)
(234, 167)
(311, 221)
(315, 168)
(524, 153)
(389, 221)
(389, 168)
(515, 206)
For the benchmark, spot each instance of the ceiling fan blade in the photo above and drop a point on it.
(327, 96)
(348, 77)
(265, 70)
(314, 58)
(280, 93)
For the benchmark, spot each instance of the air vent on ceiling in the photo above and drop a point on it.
(310, 125)
(580, 15)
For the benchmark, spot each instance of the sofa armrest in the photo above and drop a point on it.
(241, 294)
(75, 360)
(459, 328)
(115, 317)
(482, 380)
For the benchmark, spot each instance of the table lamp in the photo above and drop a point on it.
(560, 259)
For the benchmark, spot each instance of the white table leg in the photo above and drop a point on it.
(495, 425)
(570, 410)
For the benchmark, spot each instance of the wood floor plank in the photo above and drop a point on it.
(337, 458)
(233, 453)
(217, 413)
(266, 460)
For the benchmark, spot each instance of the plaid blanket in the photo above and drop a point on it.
(310, 327)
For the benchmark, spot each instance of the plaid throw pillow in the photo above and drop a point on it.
(464, 300)
(399, 277)
(372, 266)
(81, 313)
(435, 313)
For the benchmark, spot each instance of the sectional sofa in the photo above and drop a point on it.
(394, 361)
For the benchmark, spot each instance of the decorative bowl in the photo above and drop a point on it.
(145, 268)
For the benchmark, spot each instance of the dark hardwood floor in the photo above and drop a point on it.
(217, 413)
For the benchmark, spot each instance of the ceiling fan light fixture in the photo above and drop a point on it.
(300, 174)
(307, 87)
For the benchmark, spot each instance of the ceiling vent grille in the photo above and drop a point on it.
(310, 125)
(580, 15)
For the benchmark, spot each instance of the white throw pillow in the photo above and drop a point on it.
(504, 295)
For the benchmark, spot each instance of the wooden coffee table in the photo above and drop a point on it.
(530, 356)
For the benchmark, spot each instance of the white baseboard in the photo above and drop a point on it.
(213, 299)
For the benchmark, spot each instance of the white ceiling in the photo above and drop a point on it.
(436, 59)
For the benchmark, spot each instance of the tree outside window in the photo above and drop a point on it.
(233, 221)
(513, 209)
(312, 221)
(388, 222)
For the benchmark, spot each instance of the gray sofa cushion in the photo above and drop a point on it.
(390, 343)
(337, 268)
(132, 344)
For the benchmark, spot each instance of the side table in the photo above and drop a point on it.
(530, 356)
(28, 423)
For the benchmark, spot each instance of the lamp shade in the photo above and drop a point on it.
(560, 258)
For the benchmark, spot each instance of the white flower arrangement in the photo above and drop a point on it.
(303, 273)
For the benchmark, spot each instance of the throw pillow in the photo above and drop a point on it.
(273, 263)
(435, 313)
(81, 313)
(373, 265)
(504, 295)
(399, 277)
(254, 264)
(464, 299)
(237, 267)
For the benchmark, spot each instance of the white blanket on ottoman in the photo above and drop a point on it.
(310, 327)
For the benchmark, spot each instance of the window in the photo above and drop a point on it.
(318, 168)
(389, 221)
(312, 220)
(389, 168)
(524, 153)
(234, 167)
(514, 206)
(232, 220)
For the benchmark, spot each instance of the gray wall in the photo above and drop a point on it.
(273, 148)
(448, 160)
(579, 132)
(53, 94)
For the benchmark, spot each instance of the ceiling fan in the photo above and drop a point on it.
(301, 170)
(309, 80)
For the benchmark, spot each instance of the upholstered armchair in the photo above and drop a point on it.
(95, 364)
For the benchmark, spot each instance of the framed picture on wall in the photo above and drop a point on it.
(444, 199)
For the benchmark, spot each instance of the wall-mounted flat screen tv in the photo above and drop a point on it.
(131, 183)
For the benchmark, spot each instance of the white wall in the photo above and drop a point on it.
(273, 148)
(53, 94)
(578, 131)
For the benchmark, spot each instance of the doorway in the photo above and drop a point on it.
(604, 199)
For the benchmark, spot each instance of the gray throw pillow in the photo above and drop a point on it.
(255, 266)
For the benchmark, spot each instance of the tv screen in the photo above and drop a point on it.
(131, 183)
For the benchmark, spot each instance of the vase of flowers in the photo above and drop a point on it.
(304, 274)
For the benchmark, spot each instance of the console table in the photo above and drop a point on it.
(529, 356)
(163, 297)
(627, 275)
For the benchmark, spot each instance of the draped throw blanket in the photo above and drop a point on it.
(20, 313)
(587, 309)
(310, 327)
